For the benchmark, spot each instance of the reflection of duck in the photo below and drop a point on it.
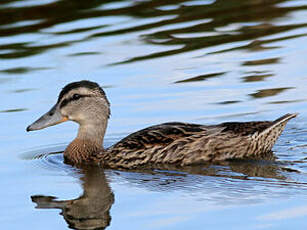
(170, 143)
(89, 211)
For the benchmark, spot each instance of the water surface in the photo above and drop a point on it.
(194, 61)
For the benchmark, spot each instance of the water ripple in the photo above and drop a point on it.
(49, 158)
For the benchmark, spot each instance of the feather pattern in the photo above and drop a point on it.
(174, 143)
(187, 144)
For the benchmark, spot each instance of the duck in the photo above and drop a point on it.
(172, 143)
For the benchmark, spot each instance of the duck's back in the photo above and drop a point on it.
(186, 144)
(159, 135)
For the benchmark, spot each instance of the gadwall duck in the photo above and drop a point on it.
(176, 143)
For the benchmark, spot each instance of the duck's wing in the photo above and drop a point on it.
(166, 133)
(160, 135)
(245, 128)
(257, 127)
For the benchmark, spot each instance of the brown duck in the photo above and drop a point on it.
(174, 143)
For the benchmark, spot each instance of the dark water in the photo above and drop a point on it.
(194, 61)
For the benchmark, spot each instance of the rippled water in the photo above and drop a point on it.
(194, 61)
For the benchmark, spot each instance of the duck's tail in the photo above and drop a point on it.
(267, 137)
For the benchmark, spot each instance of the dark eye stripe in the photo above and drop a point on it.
(66, 101)
(76, 96)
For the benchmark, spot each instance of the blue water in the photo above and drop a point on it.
(194, 61)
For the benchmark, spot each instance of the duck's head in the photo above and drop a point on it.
(83, 102)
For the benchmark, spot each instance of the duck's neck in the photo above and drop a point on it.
(92, 132)
(87, 144)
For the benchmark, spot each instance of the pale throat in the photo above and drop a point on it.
(92, 132)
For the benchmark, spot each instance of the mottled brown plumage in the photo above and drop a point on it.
(185, 144)
(169, 143)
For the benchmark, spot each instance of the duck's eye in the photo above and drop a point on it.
(76, 96)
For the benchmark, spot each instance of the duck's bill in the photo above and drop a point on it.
(52, 117)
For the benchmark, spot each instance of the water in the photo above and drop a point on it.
(194, 61)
